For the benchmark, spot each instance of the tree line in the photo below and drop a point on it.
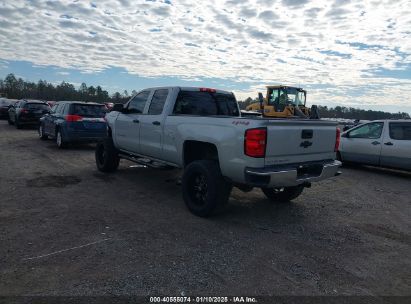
(345, 112)
(16, 88)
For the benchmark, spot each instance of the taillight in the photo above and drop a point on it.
(255, 142)
(337, 139)
(207, 90)
(24, 111)
(73, 118)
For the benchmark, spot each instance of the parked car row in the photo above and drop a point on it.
(65, 121)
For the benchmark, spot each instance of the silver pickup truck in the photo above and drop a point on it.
(201, 131)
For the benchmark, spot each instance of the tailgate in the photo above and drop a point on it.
(89, 124)
(299, 141)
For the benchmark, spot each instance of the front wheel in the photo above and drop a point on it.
(42, 135)
(283, 194)
(107, 159)
(205, 190)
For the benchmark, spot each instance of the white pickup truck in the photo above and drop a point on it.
(385, 143)
(201, 131)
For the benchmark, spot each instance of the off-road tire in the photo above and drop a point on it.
(107, 159)
(284, 194)
(205, 191)
(41, 132)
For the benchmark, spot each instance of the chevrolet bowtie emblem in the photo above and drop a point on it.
(306, 144)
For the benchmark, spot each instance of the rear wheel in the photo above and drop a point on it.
(9, 121)
(107, 159)
(205, 190)
(61, 143)
(17, 123)
(283, 194)
(42, 135)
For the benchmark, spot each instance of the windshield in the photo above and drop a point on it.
(285, 96)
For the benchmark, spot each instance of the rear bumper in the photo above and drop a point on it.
(29, 120)
(84, 136)
(292, 175)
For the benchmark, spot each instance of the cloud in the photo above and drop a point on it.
(255, 33)
(247, 12)
(335, 44)
(163, 11)
(294, 2)
(312, 12)
(269, 15)
(337, 12)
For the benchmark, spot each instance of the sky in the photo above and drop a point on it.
(344, 52)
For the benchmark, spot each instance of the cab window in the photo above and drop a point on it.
(158, 101)
(371, 131)
(400, 130)
(138, 102)
(273, 97)
(278, 99)
(205, 104)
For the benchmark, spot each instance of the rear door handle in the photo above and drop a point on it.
(156, 123)
(389, 143)
(136, 121)
(375, 143)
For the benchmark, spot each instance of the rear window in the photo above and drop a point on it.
(88, 110)
(400, 130)
(205, 104)
(36, 106)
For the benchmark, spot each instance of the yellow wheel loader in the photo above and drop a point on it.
(284, 102)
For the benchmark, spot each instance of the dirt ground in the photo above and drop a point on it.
(67, 229)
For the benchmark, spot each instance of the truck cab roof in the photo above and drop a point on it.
(205, 89)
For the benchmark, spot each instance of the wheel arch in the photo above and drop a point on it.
(199, 150)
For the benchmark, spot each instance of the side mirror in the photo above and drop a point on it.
(345, 135)
(118, 107)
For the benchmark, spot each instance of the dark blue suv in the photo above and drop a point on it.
(74, 121)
